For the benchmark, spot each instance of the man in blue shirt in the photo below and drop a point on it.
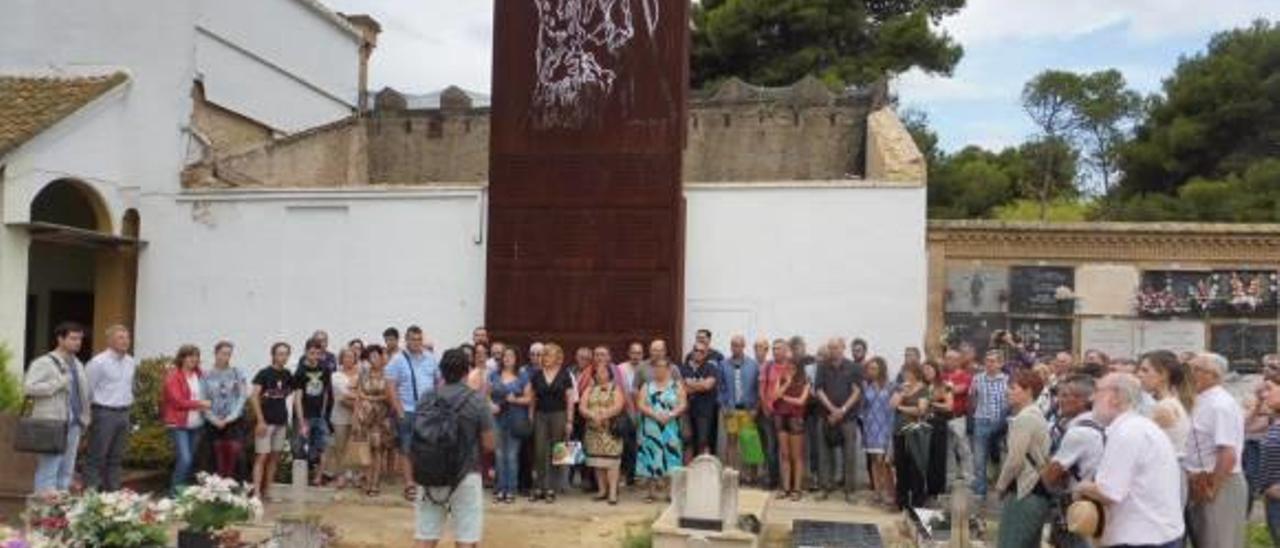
(739, 388)
(988, 396)
(414, 371)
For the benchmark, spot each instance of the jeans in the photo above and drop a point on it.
(317, 438)
(769, 437)
(986, 432)
(55, 472)
(959, 457)
(812, 442)
(850, 451)
(507, 461)
(1273, 520)
(184, 450)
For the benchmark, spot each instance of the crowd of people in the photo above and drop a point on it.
(1156, 445)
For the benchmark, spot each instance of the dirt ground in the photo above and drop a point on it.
(574, 520)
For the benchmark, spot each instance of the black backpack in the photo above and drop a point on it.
(437, 446)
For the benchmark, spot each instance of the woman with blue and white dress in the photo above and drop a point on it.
(877, 427)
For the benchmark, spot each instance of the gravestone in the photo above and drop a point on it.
(705, 495)
(1045, 336)
(1034, 290)
(1243, 344)
(975, 329)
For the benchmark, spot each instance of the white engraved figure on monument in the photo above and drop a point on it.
(579, 42)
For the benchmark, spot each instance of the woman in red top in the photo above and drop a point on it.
(792, 393)
(182, 407)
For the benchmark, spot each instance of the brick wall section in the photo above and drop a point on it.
(736, 133)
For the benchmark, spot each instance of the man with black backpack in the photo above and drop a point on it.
(451, 427)
(1076, 443)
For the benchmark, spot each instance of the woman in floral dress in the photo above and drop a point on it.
(603, 401)
(662, 401)
(877, 425)
(373, 411)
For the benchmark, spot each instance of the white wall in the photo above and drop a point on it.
(257, 267)
(818, 260)
(279, 62)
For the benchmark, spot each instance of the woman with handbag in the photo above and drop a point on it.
(56, 410)
(602, 409)
(911, 437)
(510, 396)
(372, 440)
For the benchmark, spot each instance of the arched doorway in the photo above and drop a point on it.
(77, 268)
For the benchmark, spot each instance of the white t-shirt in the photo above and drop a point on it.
(1081, 447)
(1181, 427)
(1139, 470)
(342, 385)
(194, 417)
(1216, 421)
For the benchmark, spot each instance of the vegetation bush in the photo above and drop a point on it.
(149, 446)
(10, 384)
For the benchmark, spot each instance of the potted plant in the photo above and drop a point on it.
(210, 506)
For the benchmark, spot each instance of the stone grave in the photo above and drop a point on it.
(708, 509)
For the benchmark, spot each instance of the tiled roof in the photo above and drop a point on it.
(32, 104)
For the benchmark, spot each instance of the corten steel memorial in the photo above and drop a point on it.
(588, 126)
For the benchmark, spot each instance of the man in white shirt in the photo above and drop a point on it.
(1217, 486)
(1077, 441)
(110, 376)
(1137, 478)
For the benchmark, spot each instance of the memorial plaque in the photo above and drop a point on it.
(1174, 293)
(1118, 338)
(1044, 336)
(1176, 336)
(975, 329)
(586, 206)
(1035, 290)
(1243, 344)
(977, 290)
(1106, 290)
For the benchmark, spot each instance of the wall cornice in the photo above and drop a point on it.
(1118, 242)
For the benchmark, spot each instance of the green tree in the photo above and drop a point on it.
(1105, 111)
(971, 183)
(1219, 116)
(776, 42)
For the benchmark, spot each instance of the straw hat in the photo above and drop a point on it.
(1085, 518)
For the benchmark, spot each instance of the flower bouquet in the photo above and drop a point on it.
(46, 519)
(212, 505)
(119, 519)
(12, 538)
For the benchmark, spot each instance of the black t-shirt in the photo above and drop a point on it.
(837, 381)
(702, 403)
(314, 383)
(275, 385)
(550, 396)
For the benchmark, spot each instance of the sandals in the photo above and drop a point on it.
(410, 493)
(549, 497)
(796, 496)
(599, 498)
(648, 499)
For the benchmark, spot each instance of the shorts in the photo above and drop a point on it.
(272, 442)
(404, 432)
(788, 424)
(466, 507)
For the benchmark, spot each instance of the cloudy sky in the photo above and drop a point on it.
(429, 44)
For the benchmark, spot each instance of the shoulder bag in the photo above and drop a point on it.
(42, 436)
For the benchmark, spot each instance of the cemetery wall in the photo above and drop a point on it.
(820, 259)
(1124, 288)
(257, 266)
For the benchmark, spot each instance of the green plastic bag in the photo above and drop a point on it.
(749, 444)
